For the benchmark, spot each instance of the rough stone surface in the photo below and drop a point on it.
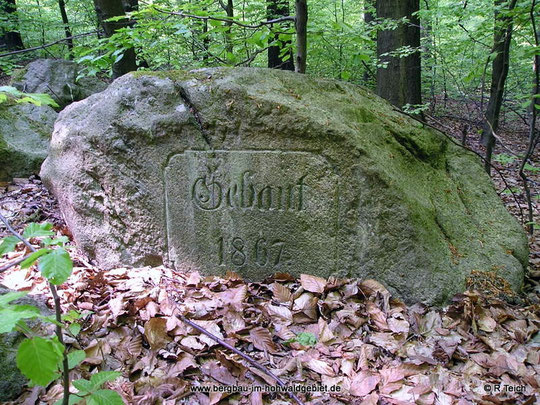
(12, 382)
(57, 78)
(25, 132)
(260, 171)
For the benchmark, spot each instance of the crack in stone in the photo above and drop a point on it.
(195, 112)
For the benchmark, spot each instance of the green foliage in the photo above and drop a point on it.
(74, 328)
(91, 391)
(8, 93)
(12, 315)
(8, 244)
(415, 108)
(511, 190)
(34, 230)
(104, 397)
(31, 259)
(304, 338)
(75, 358)
(40, 359)
(504, 159)
(56, 266)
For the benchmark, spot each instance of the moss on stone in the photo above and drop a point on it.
(415, 211)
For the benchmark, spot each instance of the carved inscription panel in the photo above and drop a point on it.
(253, 212)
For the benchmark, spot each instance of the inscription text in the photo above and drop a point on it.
(209, 194)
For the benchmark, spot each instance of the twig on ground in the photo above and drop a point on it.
(14, 263)
(498, 138)
(249, 359)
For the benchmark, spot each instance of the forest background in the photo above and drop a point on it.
(473, 61)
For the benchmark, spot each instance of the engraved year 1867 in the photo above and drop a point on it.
(261, 252)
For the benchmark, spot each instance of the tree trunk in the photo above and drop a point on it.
(130, 5)
(229, 10)
(369, 7)
(276, 9)
(502, 37)
(301, 35)
(400, 82)
(106, 9)
(11, 39)
(67, 30)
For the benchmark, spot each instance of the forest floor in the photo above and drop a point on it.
(351, 335)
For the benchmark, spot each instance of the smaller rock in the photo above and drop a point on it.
(25, 132)
(57, 78)
(12, 381)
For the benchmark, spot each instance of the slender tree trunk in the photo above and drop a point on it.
(106, 9)
(11, 39)
(369, 8)
(535, 104)
(534, 135)
(502, 38)
(67, 30)
(277, 9)
(400, 82)
(301, 35)
(229, 10)
(206, 41)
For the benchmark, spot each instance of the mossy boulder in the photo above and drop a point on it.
(57, 78)
(25, 132)
(261, 171)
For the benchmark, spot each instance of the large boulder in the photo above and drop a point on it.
(57, 78)
(262, 171)
(25, 131)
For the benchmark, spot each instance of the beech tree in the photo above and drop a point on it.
(276, 9)
(399, 80)
(301, 35)
(106, 9)
(67, 29)
(502, 37)
(10, 37)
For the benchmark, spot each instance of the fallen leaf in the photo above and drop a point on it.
(281, 293)
(363, 383)
(155, 331)
(262, 339)
(320, 367)
(312, 283)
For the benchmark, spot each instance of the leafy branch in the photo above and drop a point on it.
(40, 359)
(8, 93)
(44, 46)
(227, 20)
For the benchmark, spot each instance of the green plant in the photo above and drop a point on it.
(511, 190)
(8, 93)
(504, 159)
(304, 338)
(415, 108)
(44, 359)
